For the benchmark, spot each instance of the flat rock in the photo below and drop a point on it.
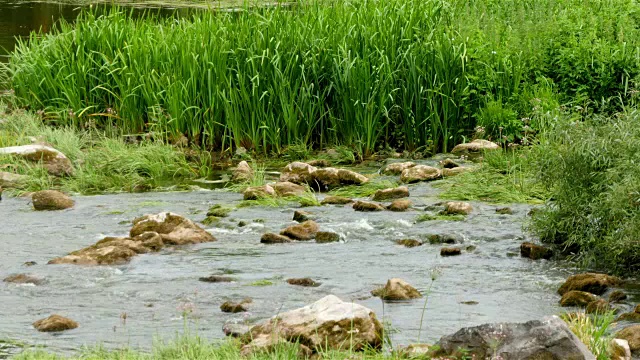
(216, 279)
(398, 168)
(55, 323)
(54, 161)
(23, 279)
(399, 205)
(367, 206)
(172, 228)
(272, 238)
(475, 146)
(420, 173)
(594, 283)
(397, 289)
(391, 193)
(286, 188)
(298, 173)
(336, 200)
(51, 200)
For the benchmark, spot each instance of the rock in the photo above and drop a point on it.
(367, 206)
(321, 163)
(327, 324)
(419, 173)
(414, 351)
(172, 228)
(599, 306)
(11, 180)
(307, 282)
(284, 189)
(546, 339)
(323, 237)
(298, 173)
(535, 252)
(475, 146)
(396, 289)
(230, 307)
(577, 298)
(445, 239)
(335, 200)
(55, 162)
(105, 255)
(448, 251)
(619, 350)
(216, 279)
(504, 211)
(304, 231)
(398, 168)
(454, 171)
(632, 335)
(617, 296)
(271, 238)
(391, 193)
(399, 205)
(242, 173)
(408, 243)
(23, 279)
(219, 211)
(329, 178)
(594, 283)
(258, 192)
(630, 316)
(51, 200)
(449, 164)
(302, 216)
(235, 330)
(55, 323)
(457, 208)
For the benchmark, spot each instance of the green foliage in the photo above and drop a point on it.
(592, 330)
(590, 168)
(499, 122)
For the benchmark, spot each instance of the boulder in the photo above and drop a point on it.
(409, 243)
(55, 162)
(55, 323)
(617, 296)
(504, 211)
(216, 279)
(302, 216)
(594, 283)
(577, 298)
(457, 208)
(632, 335)
(599, 306)
(391, 193)
(535, 252)
(398, 168)
(306, 282)
(23, 279)
(455, 171)
(329, 178)
(108, 255)
(419, 173)
(445, 239)
(449, 164)
(475, 146)
(304, 231)
(630, 316)
(399, 205)
(450, 251)
(11, 180)
(298, 173)
(242, 173)
(336, 200)
(327, 324)
(271, 238)
(286, 188)
(172, 228)
(397, 289)
(258, 192)
(323, 237)
(51, 200)
(619, 350)
(231, 307)
(367, 206)
(550, 338)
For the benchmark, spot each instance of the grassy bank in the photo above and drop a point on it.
(369, 74)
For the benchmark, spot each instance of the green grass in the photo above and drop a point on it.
(366, 74)
(592, 330)
(263, 282)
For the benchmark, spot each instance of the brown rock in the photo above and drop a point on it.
(396, 289)
(457, 208)
(284, 189)
(504, 211)
(258, 192)
(398, 168)
(408, 243)
(419, 173)
(594, 283)
(216, 279)
(302, 216)
(298, 173)
(599, 306)
(328, 178)
(306, 282)
(271, 238)
(391, 193)
(55, 162)
(367, 206)
(399, 205)
(230, 307)
(267, 344)
(450, 251)
(51, 200)
(11, 180)
(535, 252)
(326, 237)
(55, 323)
(632, 335)
(449, 164)
(304, 231)
(242, 173)
(336, 200)
(23, 279)
(577, 298)
(619, 350)
(617, 296)
(172, 228)
(475, 146)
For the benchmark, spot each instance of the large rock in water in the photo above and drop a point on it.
(54, 161)
(258, 192)
(113, 250)
(327, 324)
(51, 200)
(323, 178)
(590, 282)
(419, 173)
(632, 335)
(397, 289)
(297, 173)
(173, 229)
(391, 193)
(55, 323)
(546, 339)
(475, 146)
(303, 231)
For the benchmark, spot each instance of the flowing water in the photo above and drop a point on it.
(154, 290)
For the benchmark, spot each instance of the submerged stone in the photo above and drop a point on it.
(409, 243)
(397, 289)
(306, 282)
(535, 252)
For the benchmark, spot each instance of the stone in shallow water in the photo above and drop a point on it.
(535, 252)
(336, 200)
(391, 193)
(367, 206)
(396, 289)
(398, 168)
(399, 205)
(51, 200)
(409, 243)
(271, 238)
(304, 231)
(327, 237)
(448, 251)
(55, 323)
(23, 279)
(307, 282)
(231, 307)
(577, 298)
(594, 283)
(216, 279)
(420, 173)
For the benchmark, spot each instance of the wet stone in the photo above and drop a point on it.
(55, 323)
(327, 237)
(302, 216)
(336, 200)
(367, 206)
(617, 296)
(216, 279)
(504, 211)
(535, 252)
(445, 239)
(230, 307)
(408, 243)
(399, 205)
(306, 282)
(577, 298)
(450, 251)
(271, 238)
(23, 279)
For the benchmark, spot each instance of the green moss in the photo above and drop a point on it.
(263, 282)
(219, 211)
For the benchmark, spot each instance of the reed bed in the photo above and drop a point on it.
(369, 74)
